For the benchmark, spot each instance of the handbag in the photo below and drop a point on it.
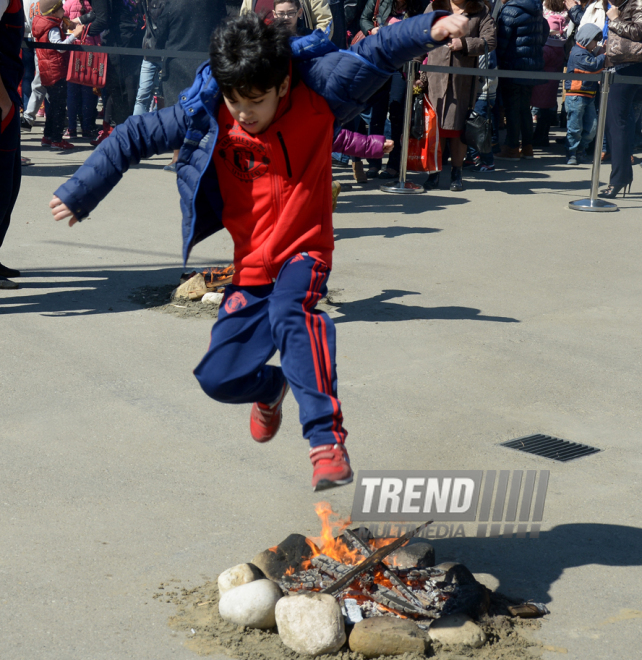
(375, 19)
(478, 132)
(417, 120)
(424, 153)
(85, 68)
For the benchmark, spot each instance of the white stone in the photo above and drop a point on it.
(251, 604)
(455, 629)
(236, 576)
(212, 298)
(488, 580)
(311, 623)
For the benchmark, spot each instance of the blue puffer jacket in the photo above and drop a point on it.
(345, 78)
(522, 31)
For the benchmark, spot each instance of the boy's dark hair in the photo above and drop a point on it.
(248, 56)
(296, 3)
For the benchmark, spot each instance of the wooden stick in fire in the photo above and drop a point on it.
(373, 560)
(395, 581)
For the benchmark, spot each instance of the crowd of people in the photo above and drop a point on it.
(518, 35)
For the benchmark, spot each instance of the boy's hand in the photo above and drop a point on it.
(61, 211)
(449, 27)
(388, 146)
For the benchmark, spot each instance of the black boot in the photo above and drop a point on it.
(540, 134)
(432, 182)
(456, 184)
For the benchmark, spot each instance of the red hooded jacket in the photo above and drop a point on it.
(52, 64)
(277, 186)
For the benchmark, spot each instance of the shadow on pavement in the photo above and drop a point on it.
(528, 567)
(377, 310)
(84, 292)
(385, 232)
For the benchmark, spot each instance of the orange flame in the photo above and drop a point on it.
(327, 543)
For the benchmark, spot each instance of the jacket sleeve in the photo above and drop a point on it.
(487, 31)
(366, 22)
(322, 15)
(138, 137)
(590, 63)
(504, 37)
(102, 10)
(355, 144)
(575, 14)
(246, 7)
(631, 28)
(348, 79)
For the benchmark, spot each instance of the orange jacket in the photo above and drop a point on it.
(276, 186)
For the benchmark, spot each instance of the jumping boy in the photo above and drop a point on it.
(255, 133)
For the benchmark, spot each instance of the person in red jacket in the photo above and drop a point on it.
(53, 69)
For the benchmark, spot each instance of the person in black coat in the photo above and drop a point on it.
(122, 22)
(522, 32)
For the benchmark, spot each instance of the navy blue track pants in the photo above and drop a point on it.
(253, 323)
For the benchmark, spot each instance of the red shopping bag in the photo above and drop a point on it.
(424, 154)
(87, 68)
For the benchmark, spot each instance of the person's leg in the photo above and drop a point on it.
(11, 169)
(378, 119)
(525, 116)
(617, 122)
(396, 107)
(49, 119)
(511, 97)
(28, 76)
(89, 108)
(148, 74)
(57, 109)
(306, 340)
(234, 368)
(74, 99)
(575, 110)
(38, 93)
(589, 126)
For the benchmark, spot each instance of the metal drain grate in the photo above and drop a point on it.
(550, 447)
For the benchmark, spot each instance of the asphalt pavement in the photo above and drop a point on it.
(463, 320)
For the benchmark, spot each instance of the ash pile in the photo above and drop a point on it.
(375, 596)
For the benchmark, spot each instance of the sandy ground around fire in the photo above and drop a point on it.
(208, 634)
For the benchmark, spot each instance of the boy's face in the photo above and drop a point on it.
(257, 113)
(592, 46)
(288, 12)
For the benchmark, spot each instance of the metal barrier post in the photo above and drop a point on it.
(594, 203)
(403, 186)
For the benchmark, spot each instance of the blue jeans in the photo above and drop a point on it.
(149, 73)
(581, 123)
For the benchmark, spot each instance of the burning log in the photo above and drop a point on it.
(332, 567)
(394, 580)
(373, 560)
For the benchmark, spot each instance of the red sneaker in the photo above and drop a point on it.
(45, 142)
(63, 145)
(331, 466)
(102, 136)
(265, 420)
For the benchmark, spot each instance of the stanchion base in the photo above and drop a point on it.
(594, 205)
(405, 188)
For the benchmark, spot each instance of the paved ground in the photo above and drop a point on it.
(464, 320)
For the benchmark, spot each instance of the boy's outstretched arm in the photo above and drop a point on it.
(138, 137)
(347, 80)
